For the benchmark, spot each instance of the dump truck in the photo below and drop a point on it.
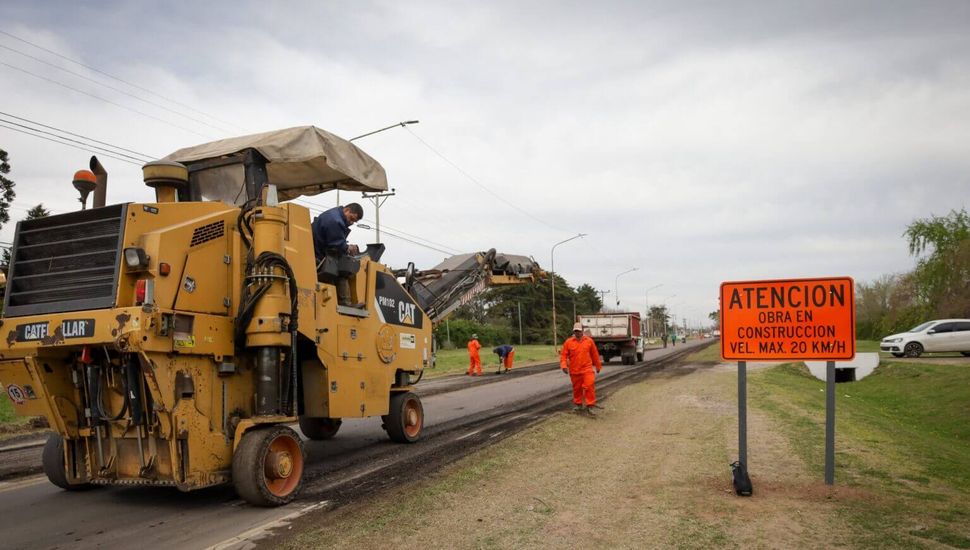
(615, 334)
(176, 342)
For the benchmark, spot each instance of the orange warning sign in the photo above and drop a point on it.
(788, 319)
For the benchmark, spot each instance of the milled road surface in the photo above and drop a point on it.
(35, 514)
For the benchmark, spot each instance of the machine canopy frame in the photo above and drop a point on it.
(303, 160)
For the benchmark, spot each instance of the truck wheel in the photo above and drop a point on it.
(55, 467)
(319, 429)
(913, 349)
(639, 356)
(405, 420)
(267, 467)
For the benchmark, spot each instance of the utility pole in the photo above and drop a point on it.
(378, 199)
(603, 294)
(519, 304)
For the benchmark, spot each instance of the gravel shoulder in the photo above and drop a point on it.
(650, 471)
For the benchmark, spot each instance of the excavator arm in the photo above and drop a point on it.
(455, 281)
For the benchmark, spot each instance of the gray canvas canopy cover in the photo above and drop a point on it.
(304, 160)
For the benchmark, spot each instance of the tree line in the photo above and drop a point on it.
(495, 314)
(7, 195)
(938, 287)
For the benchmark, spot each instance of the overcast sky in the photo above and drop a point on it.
(698, 142)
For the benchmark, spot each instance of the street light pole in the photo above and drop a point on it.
(552, 271)
(401, 124)
(646, 304)
(378, 198)
(616, 284)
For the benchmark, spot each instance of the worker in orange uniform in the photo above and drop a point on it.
(579, 357)
(475, 361)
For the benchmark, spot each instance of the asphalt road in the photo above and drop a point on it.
(35, 514)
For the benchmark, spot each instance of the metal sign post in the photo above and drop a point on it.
(743, 413)
(830, 423)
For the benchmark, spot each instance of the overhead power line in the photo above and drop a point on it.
(118, 79)
(453, 249)
(113, 88)
(102, 149)
(313, 207)
(34, 122)
(319, 207)
(391, 234)
(108, 101)
(481, 185)
(89, 149)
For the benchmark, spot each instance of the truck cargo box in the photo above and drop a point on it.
(616, 334)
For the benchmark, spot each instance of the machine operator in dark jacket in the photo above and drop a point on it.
(330, 230)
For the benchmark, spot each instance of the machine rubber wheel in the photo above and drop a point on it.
(913, 349)
(319, 429)
(628, 359)
(267, 467)
(898, 354)
(52, 459)
(639, 356)
(405, 420)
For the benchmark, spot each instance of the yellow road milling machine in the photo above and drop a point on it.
(174, 342)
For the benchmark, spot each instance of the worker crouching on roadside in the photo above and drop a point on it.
(474, 360)
(578, 358)
(506, 354)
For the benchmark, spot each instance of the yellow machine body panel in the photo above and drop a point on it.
(175, 333)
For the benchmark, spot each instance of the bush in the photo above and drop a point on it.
(462, 329)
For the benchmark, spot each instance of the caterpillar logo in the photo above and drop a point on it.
(405, 313)
(394, 305)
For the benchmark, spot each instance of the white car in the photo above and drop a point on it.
(933, 336)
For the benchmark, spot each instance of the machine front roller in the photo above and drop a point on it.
(267, 467)
(319, 429)
(405, 420)
(55, 467)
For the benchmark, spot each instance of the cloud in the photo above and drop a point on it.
(699, 142)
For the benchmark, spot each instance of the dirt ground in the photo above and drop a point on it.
(651, 471)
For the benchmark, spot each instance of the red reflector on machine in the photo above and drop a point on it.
(140, 287)
(86, 355)
(164, 269)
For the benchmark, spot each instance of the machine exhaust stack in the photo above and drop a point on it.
(101, 190)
